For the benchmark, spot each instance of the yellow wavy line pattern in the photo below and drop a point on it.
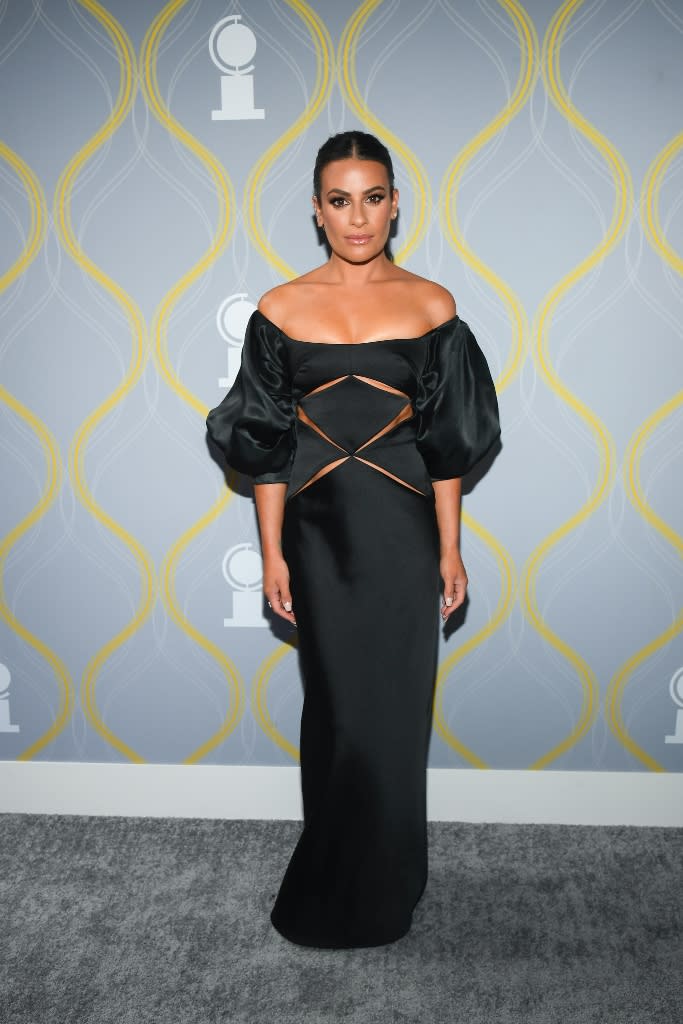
(649, 203)
(259, 699)
(324, 53)
(502, 610)
(34, 241)
(623, 189)
(324, 63)
(649, 213)
(421, 192)
(341, 64)
(448, 195)
(63, 223)
(225, 225)
(448, 200)
(38, 214)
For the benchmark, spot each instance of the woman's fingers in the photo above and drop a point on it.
(280, 601)
(286, 599)
(448, 598)
(454, 592)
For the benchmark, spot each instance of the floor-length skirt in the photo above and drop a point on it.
(363, 555)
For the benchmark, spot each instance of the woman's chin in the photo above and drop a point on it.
(353, 252)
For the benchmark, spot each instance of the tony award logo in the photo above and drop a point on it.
(243, 569)
(231, 320)
(676, 691)
(5, 677)
(232, 45)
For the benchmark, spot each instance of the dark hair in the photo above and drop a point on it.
(356, 144)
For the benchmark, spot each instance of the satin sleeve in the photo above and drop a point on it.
(254, 425)
(456, 403)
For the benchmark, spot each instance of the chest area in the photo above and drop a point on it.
(367, 372)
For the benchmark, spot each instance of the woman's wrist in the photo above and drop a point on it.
(451, 547)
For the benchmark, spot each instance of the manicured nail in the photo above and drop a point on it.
(449, 601)
(288, 606)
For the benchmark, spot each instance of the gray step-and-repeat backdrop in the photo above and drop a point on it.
(155, 180)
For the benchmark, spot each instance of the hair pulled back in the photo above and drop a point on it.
(360, 145)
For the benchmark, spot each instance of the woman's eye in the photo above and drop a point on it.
(339, 201)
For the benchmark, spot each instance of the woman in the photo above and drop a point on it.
(361, 401)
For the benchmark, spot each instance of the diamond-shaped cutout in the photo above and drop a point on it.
(352, 411)
(313, 453)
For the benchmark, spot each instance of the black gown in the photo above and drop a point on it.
(362, 547)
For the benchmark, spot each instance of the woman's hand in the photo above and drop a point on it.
(447, 495)
(276, 587)
(270, 507)
(454, 582)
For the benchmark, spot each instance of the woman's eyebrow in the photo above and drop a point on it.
(341, 192)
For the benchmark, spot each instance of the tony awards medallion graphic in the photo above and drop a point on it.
(676, 691)
(243, 570)
(5, 724)
(231, 320)
(232, 46)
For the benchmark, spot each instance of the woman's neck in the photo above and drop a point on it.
(354, 275)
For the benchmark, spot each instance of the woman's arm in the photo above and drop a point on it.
(270, 508)
(448, 496)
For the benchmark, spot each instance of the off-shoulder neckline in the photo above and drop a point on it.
(350, 344)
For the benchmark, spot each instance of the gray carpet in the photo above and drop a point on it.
(137, 920)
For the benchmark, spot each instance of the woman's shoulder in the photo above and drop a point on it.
(436, 301)
(273, 302)
(280, 301)
(408, 295)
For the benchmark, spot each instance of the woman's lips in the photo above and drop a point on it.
(358, 239)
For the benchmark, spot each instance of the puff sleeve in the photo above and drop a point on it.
(456, 403)
(254, 424)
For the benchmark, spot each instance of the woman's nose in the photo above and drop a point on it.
(358, 214)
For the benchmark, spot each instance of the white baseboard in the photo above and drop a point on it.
(255, 791)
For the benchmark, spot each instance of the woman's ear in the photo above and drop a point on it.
(394, 204)
(317, 212)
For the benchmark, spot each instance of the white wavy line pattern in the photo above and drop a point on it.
(532, 202)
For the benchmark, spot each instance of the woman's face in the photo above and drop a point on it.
(356, 208)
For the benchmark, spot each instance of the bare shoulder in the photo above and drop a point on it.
(440, 303)
(274, 302)
(437, 302)
(282, 301)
